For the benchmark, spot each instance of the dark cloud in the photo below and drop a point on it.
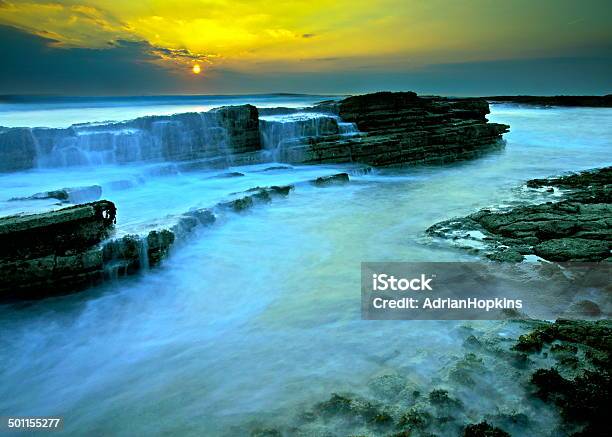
(32, 64)
(308, 35)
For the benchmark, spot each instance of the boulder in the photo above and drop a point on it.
(326, 181)
(53, 252)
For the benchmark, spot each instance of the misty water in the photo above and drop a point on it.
(57, 112)
(259, 314)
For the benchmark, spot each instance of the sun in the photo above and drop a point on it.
(196, 69)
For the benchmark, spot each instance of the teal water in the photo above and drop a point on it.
(260, 313)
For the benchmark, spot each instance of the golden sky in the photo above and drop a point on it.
(463, 47)
(319, 35)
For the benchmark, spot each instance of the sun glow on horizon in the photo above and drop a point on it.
(257, 37)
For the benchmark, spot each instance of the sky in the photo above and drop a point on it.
(449, 47)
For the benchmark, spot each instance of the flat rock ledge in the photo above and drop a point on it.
(71, 249)
(53, 252)
(393, 129)
(576, 228)
(403, 129)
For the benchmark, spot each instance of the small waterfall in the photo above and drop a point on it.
(143, 253)
(348, 129)
(282, 131)
(95, 146)
(218, 133)
(230, 134)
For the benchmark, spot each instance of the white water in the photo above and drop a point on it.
(280, 132)
(260, 312)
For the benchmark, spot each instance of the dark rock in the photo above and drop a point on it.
(277, 167)
(402, 128)
(266, 432)
(398, 128)
(440, 397)
(124, 254)
(158, 245)
(574, 249)
(583, 400)
(595, 334)
(283, 190)
(483, 429)
(576, 228)
(232, 174)
(599, 177)
(395, 128)
(579, 385)
(508, 255)
(53, 252)
(584, 308)
(337, 179)
(349, 405)
(256, 195)
(239, 205)
(415, 419)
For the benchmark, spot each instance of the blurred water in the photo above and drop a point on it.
(261, 312)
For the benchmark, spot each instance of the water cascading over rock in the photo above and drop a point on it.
(220, 132)
(282, 133)
(402, 128)
(378, 129)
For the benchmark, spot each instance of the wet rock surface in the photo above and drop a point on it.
(558, 372)
(326, 181)
(379, 129)
(576, 228)
(459, 401)
(579, 382)
(73, 248)
(402, 128)
(53, 252)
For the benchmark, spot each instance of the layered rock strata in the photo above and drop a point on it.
(181, 137)
(402, 128)
(53, 252)
(378, 129)
(73, 248)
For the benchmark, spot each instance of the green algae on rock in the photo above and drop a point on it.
(580, 382)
